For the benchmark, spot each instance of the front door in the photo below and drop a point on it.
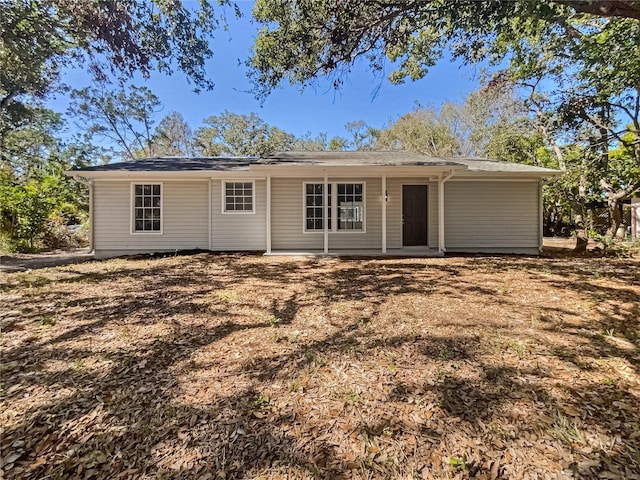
(414, 215)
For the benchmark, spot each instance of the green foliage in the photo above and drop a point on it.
(459, 464)
(299, 41)
(240, 135)
(577, 64)
(260, 402)
(30, 210)
(422, 131)
(363, 137)
(122, 38)
(37, 201)
(47, 321)
(491, 122)
(124, 117)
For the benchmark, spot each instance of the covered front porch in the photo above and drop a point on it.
(388, 227)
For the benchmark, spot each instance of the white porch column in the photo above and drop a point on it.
(325, 213)
(210, 215)
(441, 181)
(384, 214)
(268, 214)
(441, 246)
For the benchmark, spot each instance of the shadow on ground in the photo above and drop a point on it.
(238, 366)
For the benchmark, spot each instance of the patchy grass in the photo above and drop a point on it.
(227, 366)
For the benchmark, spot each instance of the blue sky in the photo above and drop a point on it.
(318, 109)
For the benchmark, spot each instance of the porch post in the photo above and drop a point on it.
(325, 213)
(268, 214)
(210, 215)
(441, 247)
(384, 214)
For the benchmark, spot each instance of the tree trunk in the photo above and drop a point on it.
(613, 207)
(582, 231)
(615, 219)
(581, 244)
(581, 222)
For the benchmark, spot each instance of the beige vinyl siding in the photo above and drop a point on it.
(287, 221)
(394, 210)
(286, 216)
(185, 213)
(491, 215)
(238, 231)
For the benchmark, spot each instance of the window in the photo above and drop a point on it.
(345, 202)
(350, 206)
(238, 197)
(314, 206)
(147, 208)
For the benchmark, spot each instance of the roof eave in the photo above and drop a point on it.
(185, 174)
(503, 173)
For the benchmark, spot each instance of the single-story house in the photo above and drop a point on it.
(393, 203)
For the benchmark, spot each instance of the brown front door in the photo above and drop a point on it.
(414, 215)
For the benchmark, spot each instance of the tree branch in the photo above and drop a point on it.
(605, 8)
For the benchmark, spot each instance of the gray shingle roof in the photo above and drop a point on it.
(377, 158)
(175, 164)
(486, 165)
(283, 159)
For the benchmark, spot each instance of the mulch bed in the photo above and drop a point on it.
(239, 366)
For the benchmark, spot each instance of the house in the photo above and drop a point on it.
(394, 203)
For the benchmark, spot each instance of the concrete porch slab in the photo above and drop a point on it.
(392, 252)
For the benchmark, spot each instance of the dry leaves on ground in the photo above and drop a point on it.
(235, 366)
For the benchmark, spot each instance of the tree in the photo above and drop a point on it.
(363, 137)
(309, 143)
(35, 195)
(579, 58)
(122, 117)
(24, 147)
(173, 137)
(241, 135)
(300, 41)
(419, 131)
(38, 39)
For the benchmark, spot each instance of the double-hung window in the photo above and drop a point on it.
(350, 206)
(238, 197)
(314, 206)
(147, 208)
(345, 203)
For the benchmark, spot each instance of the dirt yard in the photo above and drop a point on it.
(235, 366)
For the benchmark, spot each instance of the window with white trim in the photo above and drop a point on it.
(345, 202)
(238, 197)
(350, 205)
(314, 206)
(147, 207)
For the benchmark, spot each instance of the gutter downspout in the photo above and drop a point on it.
(441, 182)
(384, 214)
